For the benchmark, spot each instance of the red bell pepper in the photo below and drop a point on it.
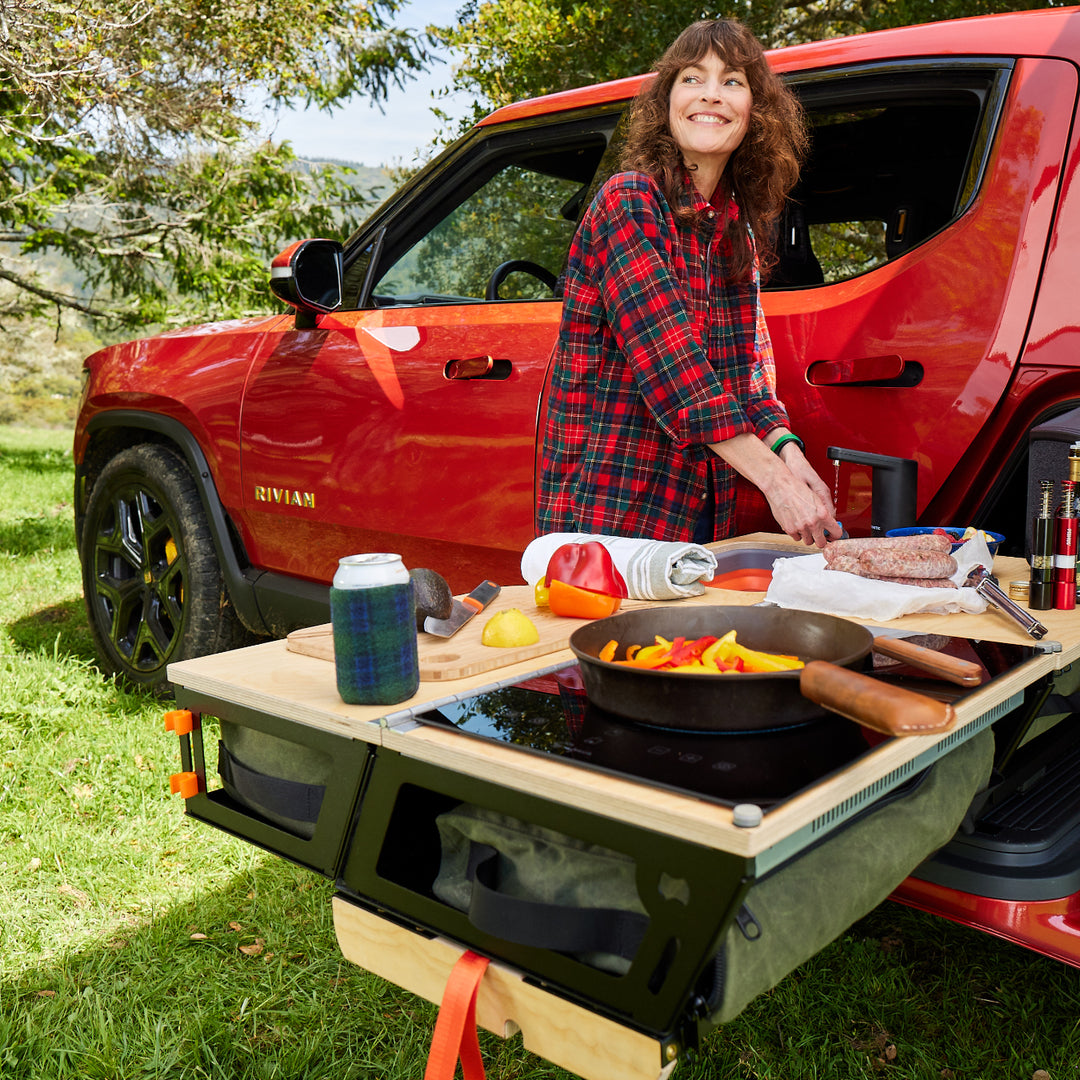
(586, 566)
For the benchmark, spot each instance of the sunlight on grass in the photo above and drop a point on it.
(138, 943)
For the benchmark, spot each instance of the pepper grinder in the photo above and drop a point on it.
(1065, 550)
(1041, 594)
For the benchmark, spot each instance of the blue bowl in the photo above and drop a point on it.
(993, 539)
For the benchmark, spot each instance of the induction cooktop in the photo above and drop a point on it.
(553, 716)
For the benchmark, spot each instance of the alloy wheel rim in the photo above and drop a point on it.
(139, 572)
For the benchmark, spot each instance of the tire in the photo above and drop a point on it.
(152, 583)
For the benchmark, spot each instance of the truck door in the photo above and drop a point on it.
(910, 256)
(408, 419)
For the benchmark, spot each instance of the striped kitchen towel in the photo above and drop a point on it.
(652, 569)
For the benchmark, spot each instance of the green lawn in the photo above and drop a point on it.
(136, 943)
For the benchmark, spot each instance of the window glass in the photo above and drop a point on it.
(895, 157)
(848, 248)
(518, 214)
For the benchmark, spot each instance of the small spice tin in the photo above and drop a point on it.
(1020, 591)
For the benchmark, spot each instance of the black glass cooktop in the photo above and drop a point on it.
(553, 716)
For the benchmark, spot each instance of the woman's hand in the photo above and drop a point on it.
(804, 508)
(797, 497)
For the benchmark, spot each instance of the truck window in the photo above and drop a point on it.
(512, 198)
(896, 156)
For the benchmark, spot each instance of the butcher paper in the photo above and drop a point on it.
(803, 582)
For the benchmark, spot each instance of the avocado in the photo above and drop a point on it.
(433, 595)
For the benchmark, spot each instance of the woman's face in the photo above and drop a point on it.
(709, 112)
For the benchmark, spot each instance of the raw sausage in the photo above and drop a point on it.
(909, 564)
(852, 565)
(939, 542)
(921, 583)
(923, 560)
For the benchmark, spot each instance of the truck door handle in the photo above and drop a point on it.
(865, 371)
(478, 367)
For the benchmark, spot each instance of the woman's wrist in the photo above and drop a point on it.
(786, 439)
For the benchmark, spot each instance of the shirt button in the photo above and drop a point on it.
(712, 214)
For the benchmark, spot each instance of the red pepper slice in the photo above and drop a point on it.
(586, 566)
(682, 652)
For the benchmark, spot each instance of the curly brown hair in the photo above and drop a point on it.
(761, 171)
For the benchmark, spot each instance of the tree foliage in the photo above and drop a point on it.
(126, 133)
(513, 49)
(126, 143)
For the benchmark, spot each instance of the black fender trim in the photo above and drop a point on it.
(239, 580)
(289, 603)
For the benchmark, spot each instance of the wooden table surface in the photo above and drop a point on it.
(275, 680)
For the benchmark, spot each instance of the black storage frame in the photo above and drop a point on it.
(376, 838)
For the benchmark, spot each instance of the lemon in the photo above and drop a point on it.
(509, 629)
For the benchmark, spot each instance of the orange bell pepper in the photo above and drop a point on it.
(577, 603)
(648, 656)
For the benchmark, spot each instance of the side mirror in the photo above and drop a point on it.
(307, 276)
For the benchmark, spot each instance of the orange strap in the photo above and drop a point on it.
(455, 1029)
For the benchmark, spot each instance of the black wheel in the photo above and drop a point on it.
(153, 588)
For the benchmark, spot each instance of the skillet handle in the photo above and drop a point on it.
(952, 668)
(891, 710)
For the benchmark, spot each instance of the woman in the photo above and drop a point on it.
(663, 387)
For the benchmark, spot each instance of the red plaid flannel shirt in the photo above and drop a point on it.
(656, 358)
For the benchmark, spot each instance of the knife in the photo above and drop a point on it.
(463, 610)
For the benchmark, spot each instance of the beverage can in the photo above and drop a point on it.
(369, 570)
(373, 614)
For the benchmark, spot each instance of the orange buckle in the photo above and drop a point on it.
(180, 721)
(185, 784)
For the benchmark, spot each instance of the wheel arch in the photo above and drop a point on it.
(109, 432)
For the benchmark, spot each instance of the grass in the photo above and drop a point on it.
(136, 943)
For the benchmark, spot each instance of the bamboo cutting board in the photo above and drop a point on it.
(462, 655)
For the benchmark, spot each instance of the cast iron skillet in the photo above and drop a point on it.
(743, 702)
(834, 650)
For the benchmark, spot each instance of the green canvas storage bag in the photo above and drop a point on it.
(281, 781)
(535, 886)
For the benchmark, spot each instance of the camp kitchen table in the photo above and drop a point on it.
(390, 776)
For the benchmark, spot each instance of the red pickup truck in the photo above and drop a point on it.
(924, 308)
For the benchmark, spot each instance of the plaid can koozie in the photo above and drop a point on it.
(375, 644)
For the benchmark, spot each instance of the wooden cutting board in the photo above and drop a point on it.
(462, 655)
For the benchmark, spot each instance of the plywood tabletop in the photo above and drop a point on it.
(272, 679)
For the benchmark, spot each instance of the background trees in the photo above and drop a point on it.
(512, 49)
(125, 145)
(131, 189)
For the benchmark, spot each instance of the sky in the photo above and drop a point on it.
(362, 134)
